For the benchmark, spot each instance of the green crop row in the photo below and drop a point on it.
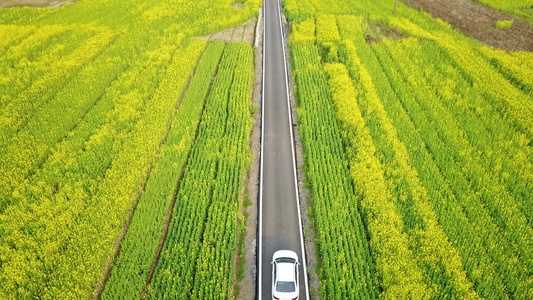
(395, 262)
(215, 264)
(485, 200)
(24, 65)
(59, 222)
(426, 239)
(197, 258)
(347, 267)
(507, 4)
(28, 129)
(130, 272)
(517, 67)
(520, 8)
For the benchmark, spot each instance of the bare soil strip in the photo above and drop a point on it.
(34, 3)
(243, 33)
(479, 21)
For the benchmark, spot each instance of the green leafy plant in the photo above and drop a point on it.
(503, 24)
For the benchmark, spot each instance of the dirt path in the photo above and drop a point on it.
(243, 33)
(36, 3)
(478, 21)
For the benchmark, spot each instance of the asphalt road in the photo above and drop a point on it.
(279, 220)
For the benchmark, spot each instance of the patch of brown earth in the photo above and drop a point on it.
(34, 3)
(243, 33)
(479, 21)
(378, 30)
(375, 31)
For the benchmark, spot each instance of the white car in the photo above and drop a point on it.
(285, 275)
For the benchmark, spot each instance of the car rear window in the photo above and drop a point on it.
(285, 260)
(286, 287)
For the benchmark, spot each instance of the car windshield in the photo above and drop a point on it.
(286, 287)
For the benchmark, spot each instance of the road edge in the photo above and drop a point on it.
(305, 198)
(260, 196)
(294, 165)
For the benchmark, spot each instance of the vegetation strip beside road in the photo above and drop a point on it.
(436, 133)
(334, 200)
(203, 230)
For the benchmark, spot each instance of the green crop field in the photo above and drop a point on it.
(125, 142)
(418, 152)
(107, 109)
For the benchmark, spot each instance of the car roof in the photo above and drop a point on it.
(285, 271)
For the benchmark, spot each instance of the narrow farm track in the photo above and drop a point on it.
(279, 223)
